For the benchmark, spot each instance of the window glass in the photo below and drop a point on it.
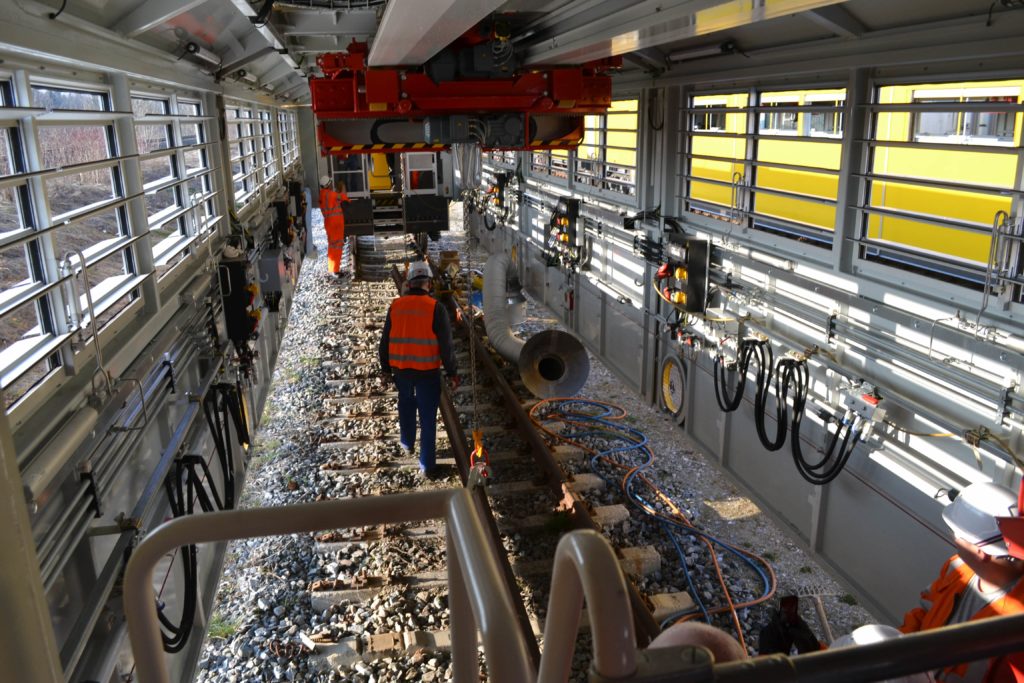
(939, 174)
(187, 108)
(145, 105)
(89, 233)
(158, 201)
(67, 145)
(717, 161)
(19, 333)
(53, 97)
(11, 217)
(191, 133)
(13, 269)
(74, 192)
(150, 138)
(157, 169)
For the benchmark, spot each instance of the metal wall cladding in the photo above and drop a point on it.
(623, 344)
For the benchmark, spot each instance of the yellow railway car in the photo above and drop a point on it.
(925, 138)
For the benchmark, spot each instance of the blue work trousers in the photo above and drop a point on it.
(419, 391)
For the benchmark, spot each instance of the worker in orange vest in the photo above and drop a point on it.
(982, 580)
(334, 222)
(415, 343)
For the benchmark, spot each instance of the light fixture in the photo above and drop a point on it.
(244, 75)
(197, 50)
(726, 48)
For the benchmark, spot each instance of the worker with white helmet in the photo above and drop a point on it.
(415, 344)
(982, 580)
(331, 200)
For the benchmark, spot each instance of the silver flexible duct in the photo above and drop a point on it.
(552, 363)
(496, 319)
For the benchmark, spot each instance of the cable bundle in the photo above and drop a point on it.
(627, 450)
(749, 349)
(191, 482)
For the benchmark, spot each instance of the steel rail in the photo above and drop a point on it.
(461, 452)
(646, 626)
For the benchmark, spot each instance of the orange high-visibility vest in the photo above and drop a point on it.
(412, 344)
(330, 206)
(942, 595)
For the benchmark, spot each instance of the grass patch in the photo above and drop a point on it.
(847, 599)
(266, 452)
(222, 627)
(770, 556)
(805, 569)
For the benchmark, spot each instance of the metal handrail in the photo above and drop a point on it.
(926, 651)
(586, 566)
(100, 366)
(476, 586)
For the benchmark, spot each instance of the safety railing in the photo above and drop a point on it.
(477, 598)
(585, 567)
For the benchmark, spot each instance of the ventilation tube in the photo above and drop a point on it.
(551, 363)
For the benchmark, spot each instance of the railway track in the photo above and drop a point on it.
(372, 601)
(528, 498)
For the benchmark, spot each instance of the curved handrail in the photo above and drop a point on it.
(586, 566)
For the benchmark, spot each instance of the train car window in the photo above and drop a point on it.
(944, 164)
(157, 143)
(26, 331)
(289, 142)
(504, 157)
(83, 180)
(147, 105)
(242, 137)
(269, 160)
(716, 127)
(552, 163)
(795, 164)
(774, 166)
(606, 159)
(187, 108)
(53, 97)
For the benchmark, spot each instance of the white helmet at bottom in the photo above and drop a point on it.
(972, 515)
(877, 633)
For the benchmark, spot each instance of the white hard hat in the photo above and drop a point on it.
(972, 515)
(418, 270)
(866, 635)
(876, 633)
(325, 180)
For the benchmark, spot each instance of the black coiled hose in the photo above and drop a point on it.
(749, 349)
(184, 488)
(790, 377)
(192, 482)
(829, 467)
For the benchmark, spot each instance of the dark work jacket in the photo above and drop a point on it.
(442, 330)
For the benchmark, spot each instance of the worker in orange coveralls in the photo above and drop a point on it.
(334, 222)
(982, 580)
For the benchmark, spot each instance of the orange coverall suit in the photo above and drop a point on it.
(942, 595)
(334, 224)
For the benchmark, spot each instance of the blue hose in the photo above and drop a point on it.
(635, 440)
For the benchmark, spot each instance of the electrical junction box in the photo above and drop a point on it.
(865, 405)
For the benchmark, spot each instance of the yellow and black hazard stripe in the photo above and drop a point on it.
(384, 147)
(569, 140)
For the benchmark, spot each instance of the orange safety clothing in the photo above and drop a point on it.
(334, 224)
(412, 344)
(942, 597)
